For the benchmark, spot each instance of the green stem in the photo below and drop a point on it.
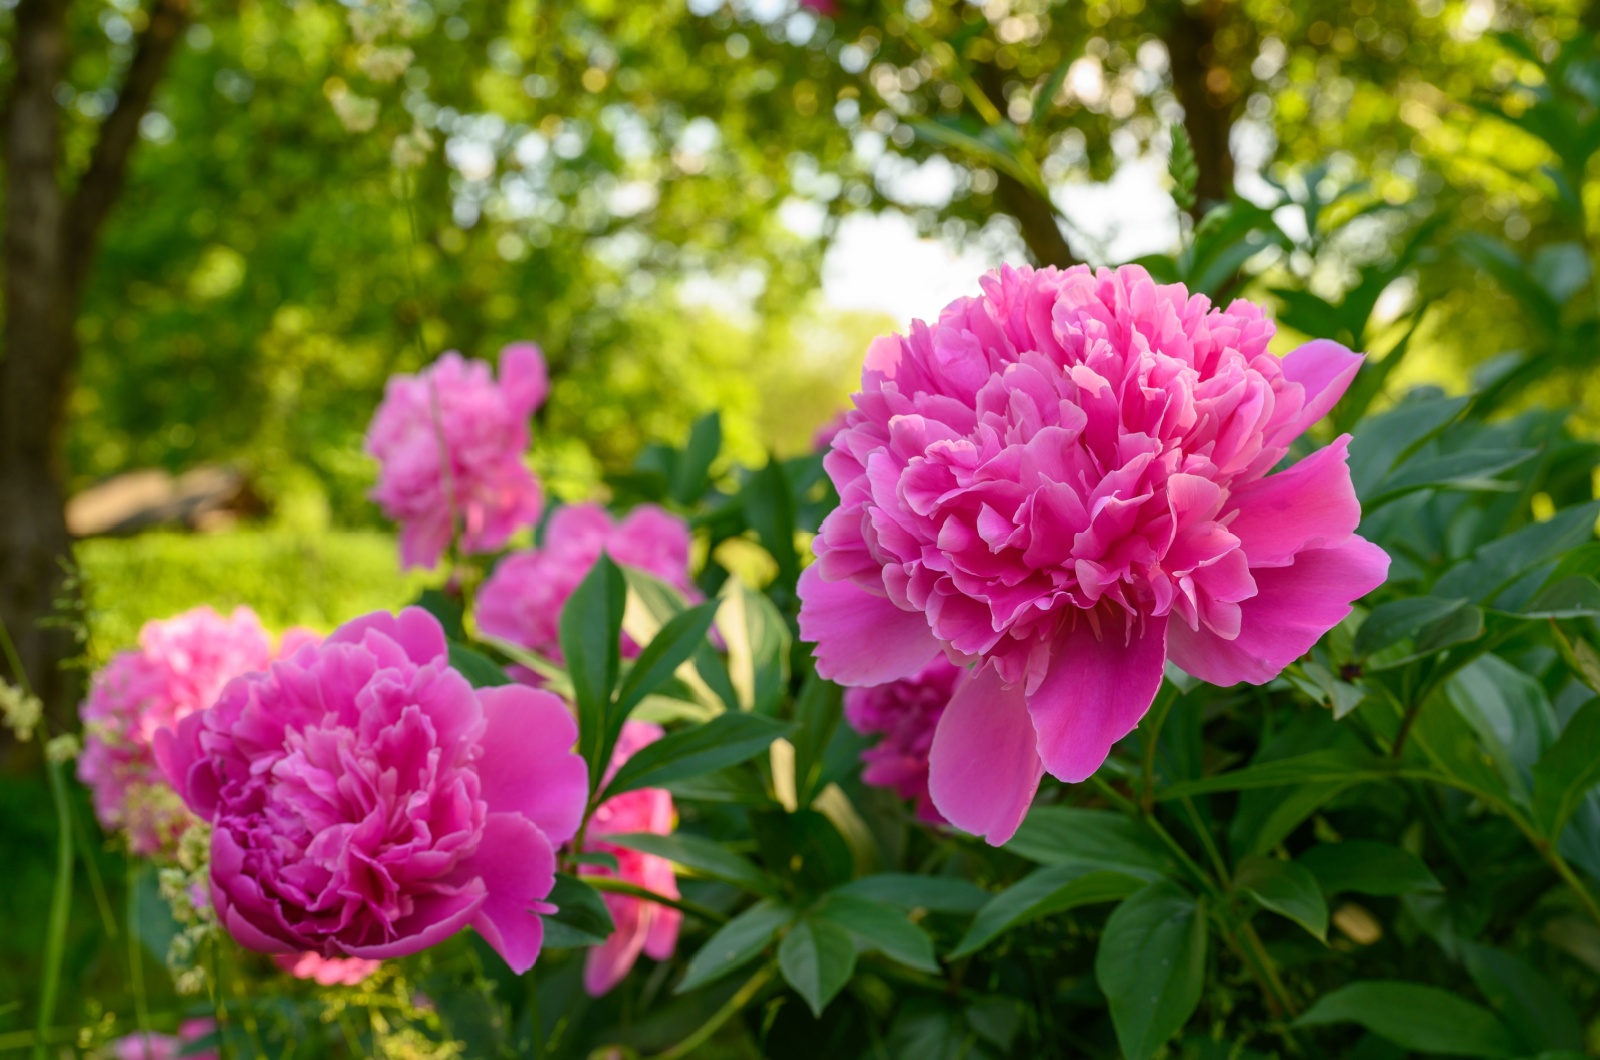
(535, 1028)
(141, 1005)
(1152, 738)
(1207, 840)
(60, 907)
(616, 886)
(737, 1002)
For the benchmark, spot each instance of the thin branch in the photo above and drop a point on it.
(103, 181)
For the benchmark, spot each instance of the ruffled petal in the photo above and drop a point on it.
(861, 639)
(1293, 608)
(984, 766)
(1307, 506)
(1095, 692)
(1325, 369)
(518, 867)
(528, 765)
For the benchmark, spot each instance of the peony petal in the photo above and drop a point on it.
(434, 919)
(1308, 506)
(1293, 608)
(518, 867)
(1097, 689)
(524, 379)
(662, 940)
(528, 766)
(861, 639)
(1325, 369)
(416, 632)
(610, 962)
(178, 753)
(984, 766)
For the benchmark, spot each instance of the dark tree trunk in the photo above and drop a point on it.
(49, 247)
(1034, 213)
(1208, 109)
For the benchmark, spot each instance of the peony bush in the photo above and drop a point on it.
(1115, 686)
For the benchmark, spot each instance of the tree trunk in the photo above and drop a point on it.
(38, 353)
(1207, 108)
(49, 248)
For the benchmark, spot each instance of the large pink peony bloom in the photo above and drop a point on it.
(154, 1046)
(1066, 481)
(366, 801)
(521, 601)
(455, 407)
(642, 926)
(906, 712)
(326, 971)
(180, 666)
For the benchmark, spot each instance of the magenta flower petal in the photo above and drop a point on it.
(528, 728)
(1070, 456)
(861, 639)
(518, 866)
(984, 765)
(1097, 689)
(1295, 606)
(356, 809)
(524, 379)
(906, 712)
(1309, 505)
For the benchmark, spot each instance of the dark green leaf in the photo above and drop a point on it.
(1317, 767)
(1367, 867)
(817, 958)
(1496, 565)
(1571, 597)
(691, 473)
(1151, 966)
(1468, 469)
(758, 647)
(1568, 770)
(680, 638)
(479, 670)
(816, 714)
(581, 917)
(591, 627)
(1055, 835)
(938, 894)
(1381, 441)
(736, 943)
(1529, 1003)
(805, 846)
(447, 609)
(704, 856)
(769, 509)
(1042, 893)
(881, 927)
(1424, 1019)
(723, 741)
(1399, 620)
(1285, 888)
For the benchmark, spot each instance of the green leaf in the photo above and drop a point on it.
(804, 846)
(1496, 565)
(1367, 867)
(1399, 620)
(1382, 440)
(691, 473)
(881, 927)
(1285, 888)
(1572, 597)
(1056, 835)
(1567, 771)
(1423, 1019)
(736, 943)
(817, 957)
(1468, 469)
(1151, 966)
(661, 657)
(1042, 893)
(1317, 767)
(479, 670)
(758, 647)
(1529, 1003)
(705, 857)
(591, 627)
(447, 609)
(816, 713)
(937, 894)
(723, 741)
(581, 917)
(769, 509)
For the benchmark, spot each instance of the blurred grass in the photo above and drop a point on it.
(289, 579)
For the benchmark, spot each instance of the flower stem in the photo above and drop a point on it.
(60, 906)
(738, 1001)
(616, 886)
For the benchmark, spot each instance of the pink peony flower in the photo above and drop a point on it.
(905, 712)
(180, 666)
(822, 7)
(456, 407)
(152, 1046)
(642, 926)
(823, 437)
(366, 801)
(521, 601)
(326, 971)
(1065, 480)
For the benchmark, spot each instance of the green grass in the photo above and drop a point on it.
(289, 579)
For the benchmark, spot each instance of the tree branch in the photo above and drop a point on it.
(103, 181)
(1034, 213)
(1207, 115)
